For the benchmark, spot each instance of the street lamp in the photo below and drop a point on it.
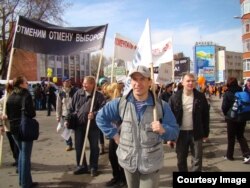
(241, 17)
(237, 17)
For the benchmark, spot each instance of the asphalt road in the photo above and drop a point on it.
(52, 166)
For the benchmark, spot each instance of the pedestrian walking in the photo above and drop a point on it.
(63, 101)
(140, 138)
(191, 110)
(235, 129)
(50, 98)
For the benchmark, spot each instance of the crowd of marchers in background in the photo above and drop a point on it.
(136, 124)
(43, 95)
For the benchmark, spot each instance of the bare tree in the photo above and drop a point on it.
(94, 62)
(46, 10)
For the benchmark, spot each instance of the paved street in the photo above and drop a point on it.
(52, 166)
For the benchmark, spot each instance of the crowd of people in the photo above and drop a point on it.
(136, 124)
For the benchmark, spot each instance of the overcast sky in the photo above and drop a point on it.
(186, 21)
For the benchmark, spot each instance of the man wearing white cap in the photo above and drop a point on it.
(140, 150)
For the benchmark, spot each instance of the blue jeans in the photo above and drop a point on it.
(69, 142)
(24, 164)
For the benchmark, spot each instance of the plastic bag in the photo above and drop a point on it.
(66, 133)
(59, 127)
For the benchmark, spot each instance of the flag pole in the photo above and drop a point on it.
(113, 62)
(5, 93)
(153, 91)
(173, 64)
(91, 107)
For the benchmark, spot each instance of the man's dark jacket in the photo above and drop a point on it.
(200, 112)
(81, 103)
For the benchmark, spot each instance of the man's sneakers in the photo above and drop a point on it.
(69, 148)
(246, 160)
(81, 170)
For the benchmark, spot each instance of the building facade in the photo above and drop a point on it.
(216, 64)
(229, 64)
(205, 60)
(245, 18)
(35, 66)
(71, 66)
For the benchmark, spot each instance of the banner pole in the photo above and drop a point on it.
(113, 62)
(173, 63)
(5, 93)
(173, 66)
(91, 107)
(153, 91)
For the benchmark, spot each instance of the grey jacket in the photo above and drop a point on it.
(140, 148)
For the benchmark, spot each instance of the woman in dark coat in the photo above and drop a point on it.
(235, 129)
(13, 110)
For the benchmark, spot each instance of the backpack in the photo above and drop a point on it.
(240, 111)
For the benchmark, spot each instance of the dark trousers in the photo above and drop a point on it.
(13, 146)
(93, 136)
(50, 103)
(185, 142)
(101, 138)
(118, 172)
(236, 130)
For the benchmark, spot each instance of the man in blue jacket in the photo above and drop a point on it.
(140, 138)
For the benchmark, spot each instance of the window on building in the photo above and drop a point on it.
(246, 65)
(66, 66)
(246, 45)
(246, 26)
(245, 7)
(72, 66)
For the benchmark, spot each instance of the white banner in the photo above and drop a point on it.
(124, 48)
(143, 55)
(162, 52)
(165, 73)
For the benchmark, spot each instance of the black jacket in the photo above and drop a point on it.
(200, 112)
(81, 105)
(165, 96)
(228, 100)
(14, 106)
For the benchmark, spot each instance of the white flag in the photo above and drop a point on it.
(124, 48)
(162, 52)
(143, 54)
